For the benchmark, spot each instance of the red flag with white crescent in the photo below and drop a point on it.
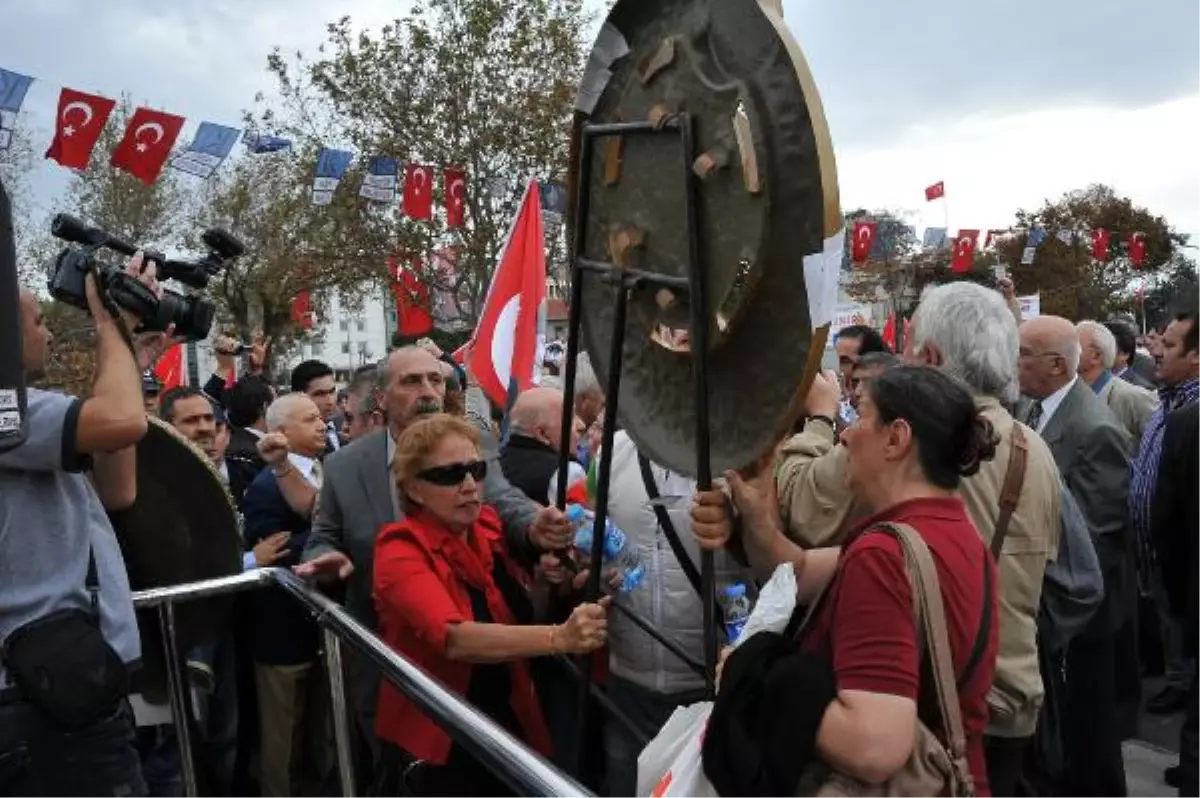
(418, 191)
(936, 191)
(413, 317)
(503, 348)
(78, 126)
(171, 370)
(1137, 248)
(864, 240)
(1100, 239)
(148, 139)
(964, 251)
(456, 196)
(302, 310)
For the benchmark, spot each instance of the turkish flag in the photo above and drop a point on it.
(170, 369)
(936, 191)
(302, 310)
(889, 332)
(148, 139)
(992, 235)
(964, 250)
(1137, 248)
(418, 191)
(456, 196)
(1100, 239)
(864, 240)
(413, 318)
(80, 122)
(503, 348)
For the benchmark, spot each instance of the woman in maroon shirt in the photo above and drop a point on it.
(451, 600)
(917, 434)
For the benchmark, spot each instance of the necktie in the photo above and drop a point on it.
(317, 474)
(1035, 416)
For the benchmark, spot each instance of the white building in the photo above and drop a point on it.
(346, 337)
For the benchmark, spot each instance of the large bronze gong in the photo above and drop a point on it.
(182, 528)
(766, 199)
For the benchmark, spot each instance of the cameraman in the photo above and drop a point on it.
(68, 636)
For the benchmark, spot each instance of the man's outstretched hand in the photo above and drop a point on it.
(329, 567)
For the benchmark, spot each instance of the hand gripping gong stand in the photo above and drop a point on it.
(624, 280)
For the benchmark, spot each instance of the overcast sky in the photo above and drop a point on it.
(1008, 101)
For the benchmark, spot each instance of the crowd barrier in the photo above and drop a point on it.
(513, 762)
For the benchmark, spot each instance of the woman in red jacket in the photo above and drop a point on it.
(452, 600)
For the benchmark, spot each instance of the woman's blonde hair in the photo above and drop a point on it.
(419, 440)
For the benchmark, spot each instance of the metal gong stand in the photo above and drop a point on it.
(624, 280)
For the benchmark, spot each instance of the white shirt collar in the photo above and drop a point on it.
(1050, 403)
(306, 466)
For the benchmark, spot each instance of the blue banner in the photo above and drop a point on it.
(12, 93)
(331, 167)
(208, 150)
(379, 183)
(259, 143)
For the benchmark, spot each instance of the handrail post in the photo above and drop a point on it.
(341, 718)
(177, 687)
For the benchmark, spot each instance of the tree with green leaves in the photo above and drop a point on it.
(482, 85)
(291, 244)
(1071, 282)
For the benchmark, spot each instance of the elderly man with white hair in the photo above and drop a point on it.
(1132, 405)
(970, 332)
(281, 499)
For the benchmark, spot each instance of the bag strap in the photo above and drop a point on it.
(1010, 492)
(668, 527)
(931, 616)
(985, 626)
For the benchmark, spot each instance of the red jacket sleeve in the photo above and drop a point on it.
(407, 586)
(874, 634)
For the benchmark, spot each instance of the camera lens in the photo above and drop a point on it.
(191, 315)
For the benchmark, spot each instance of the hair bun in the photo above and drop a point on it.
(980, 446)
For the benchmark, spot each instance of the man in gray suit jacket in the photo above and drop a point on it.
(1131, 405)
(359, 496)
(1091, 451)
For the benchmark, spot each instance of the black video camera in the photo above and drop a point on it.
(191, 314)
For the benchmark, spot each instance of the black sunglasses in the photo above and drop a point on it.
(454, 474)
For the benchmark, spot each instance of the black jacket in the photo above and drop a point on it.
(1175, 517)
(284, 632)
(243, 462)
(528, 464)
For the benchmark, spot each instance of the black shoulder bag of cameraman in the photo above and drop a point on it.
(63, 665)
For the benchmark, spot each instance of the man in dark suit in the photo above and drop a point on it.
(1092, 452)
(1175, 530)
(289, 682)
(246, 407)
(359, 496)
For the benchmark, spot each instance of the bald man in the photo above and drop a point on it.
(530, 457)
(1091, 451)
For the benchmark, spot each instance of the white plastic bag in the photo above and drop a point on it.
(776, 603)
(672, 765)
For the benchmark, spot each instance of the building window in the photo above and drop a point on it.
(362, 347)
(344, 325)
(362, 325)
(345, 347)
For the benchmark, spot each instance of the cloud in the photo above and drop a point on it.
(882, 66)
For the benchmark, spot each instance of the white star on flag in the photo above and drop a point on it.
(68, 131)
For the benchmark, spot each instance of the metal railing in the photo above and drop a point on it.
(513, 762)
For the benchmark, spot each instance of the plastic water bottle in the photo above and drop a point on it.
(618, 551)
(736, 605)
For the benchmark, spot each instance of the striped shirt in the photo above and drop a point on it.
(1145, 466)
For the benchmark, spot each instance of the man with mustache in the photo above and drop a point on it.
(190, 412)
(359, 496)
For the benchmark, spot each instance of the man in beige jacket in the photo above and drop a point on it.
(970, 332)
(1133, 406)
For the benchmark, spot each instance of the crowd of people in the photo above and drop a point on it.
(1047, 467)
